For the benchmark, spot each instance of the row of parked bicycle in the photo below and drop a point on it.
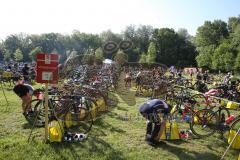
(80, 97)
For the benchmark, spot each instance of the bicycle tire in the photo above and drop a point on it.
(82, 121)
(235, 125)
(202, 121)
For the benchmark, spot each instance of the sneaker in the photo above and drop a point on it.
(147, 137)
(155, 143)
(151, 143)
(39, 124)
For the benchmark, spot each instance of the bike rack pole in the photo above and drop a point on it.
(35, 120)
(4, 93)
(230, 144)
(46, 111)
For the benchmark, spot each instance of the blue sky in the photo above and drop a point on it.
(95, 16)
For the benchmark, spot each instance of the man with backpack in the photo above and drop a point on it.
(151, 110)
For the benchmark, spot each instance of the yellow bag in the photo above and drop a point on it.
(236, 143)
(82, 114)
(173, 109)
(101, 104)
(68, 120)
(172, 130)
(222, 103)
(7, 74)
(232, 105)
(197, 121)
(55, 131)
(94, 111)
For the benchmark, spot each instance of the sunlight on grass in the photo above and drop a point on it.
(117, 134)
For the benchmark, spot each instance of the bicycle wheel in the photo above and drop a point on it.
(234, 126)
(222, 113)
(80, 116)
(38, 108)
(204, 123)
(199, 101)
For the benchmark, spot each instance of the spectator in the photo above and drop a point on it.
(25, 72)
(198, 76)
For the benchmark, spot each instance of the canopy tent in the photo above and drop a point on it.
(108, 61)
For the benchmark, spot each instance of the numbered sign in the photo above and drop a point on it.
(47, 68)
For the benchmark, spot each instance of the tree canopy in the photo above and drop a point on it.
(216, 45)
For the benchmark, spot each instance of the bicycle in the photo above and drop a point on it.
(67, 108)
(206, 122)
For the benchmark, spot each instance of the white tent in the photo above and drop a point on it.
(108, 61)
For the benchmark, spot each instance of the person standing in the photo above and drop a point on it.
(25, 72)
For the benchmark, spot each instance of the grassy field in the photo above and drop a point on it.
(117, 134)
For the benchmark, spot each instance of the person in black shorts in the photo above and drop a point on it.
(25, 92)
(150, 110)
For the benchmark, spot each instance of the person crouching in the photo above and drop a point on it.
(25, 92)
(151, 110)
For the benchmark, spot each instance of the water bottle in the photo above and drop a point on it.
(230, 119)
(168, 134)
(83, 102)
(187, 118)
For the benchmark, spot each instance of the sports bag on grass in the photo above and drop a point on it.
(171, 131)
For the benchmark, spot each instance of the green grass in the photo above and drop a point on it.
(117, 134)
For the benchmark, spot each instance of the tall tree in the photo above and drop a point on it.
(237, 63)
(108, 35)
(223, 57)
(166, 41)
(211, 33)
(232, 23)
(143, 58)
(183, 33)
(152, 53)
(236, 38)
(130, 34)
(204, 58)
(18, 56)
(1, 51)
(121, 58)
(99, 54)
(143, 34)
(12, 43)
(133, 54)
(88, 59)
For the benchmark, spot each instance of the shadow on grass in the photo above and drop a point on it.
(27, 126)
(178, 142)
(184, 154)
(113, 100)
(101, 126)
(94, 146)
